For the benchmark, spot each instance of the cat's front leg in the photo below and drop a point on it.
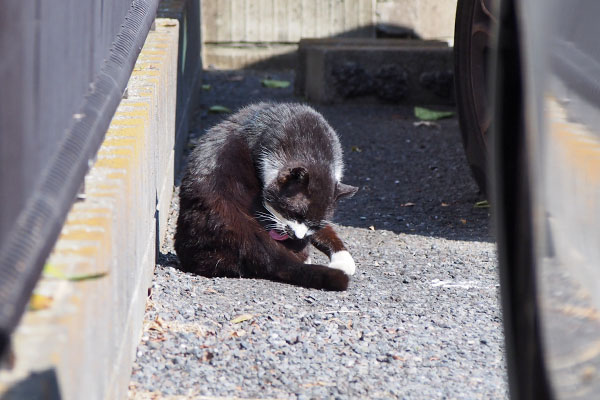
(329, 243)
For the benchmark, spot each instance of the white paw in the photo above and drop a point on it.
(343, 261)
(308, 260)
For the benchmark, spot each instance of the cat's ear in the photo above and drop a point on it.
(343, 190)
(297, 174)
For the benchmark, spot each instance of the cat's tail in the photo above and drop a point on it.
(312, 276)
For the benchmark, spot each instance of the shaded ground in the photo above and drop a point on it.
(421, 317)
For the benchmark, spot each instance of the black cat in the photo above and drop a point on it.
(259, 187)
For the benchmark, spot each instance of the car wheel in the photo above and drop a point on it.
(472, 39)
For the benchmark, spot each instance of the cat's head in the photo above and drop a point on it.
(301, 200)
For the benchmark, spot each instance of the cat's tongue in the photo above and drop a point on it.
(276, 236)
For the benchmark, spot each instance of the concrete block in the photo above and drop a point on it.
(301, 61)
(376, 70)
(189, 66)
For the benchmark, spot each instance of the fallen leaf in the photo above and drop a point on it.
(426, 114)
(372, 228)
(356, 149)
(409, 204)
(239, 333)
(445, 204)
(205, 87)
(219, 109)
(87, 277)
(50, 271)
(146, 67)
(428, 124)
(482, 204)
(40, 302)
(156, 325)
(242, 318)
(166, 24)
(463, 221)
(53, 272)
(276, 84)
(149, 304)
(207, 356)
(317, 383)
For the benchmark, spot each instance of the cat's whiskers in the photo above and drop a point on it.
(269, 214)
(273, 223)
(272, 226)
(278, 224)
(262, 214)
(266, 217)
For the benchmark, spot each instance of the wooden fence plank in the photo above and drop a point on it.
(209, 15)
(238, 21)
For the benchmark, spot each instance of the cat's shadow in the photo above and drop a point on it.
(167, 258)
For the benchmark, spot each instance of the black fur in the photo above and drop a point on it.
(282, 155)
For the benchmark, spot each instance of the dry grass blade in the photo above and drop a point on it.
(242, 318)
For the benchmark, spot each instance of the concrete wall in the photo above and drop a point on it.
(242, 33)
(239, 33)
(189, 67)
(429, 19)
(80, 344)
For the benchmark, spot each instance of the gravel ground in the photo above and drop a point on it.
(420, 320)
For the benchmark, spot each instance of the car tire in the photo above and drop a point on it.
(472, 39)
(511, 190)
